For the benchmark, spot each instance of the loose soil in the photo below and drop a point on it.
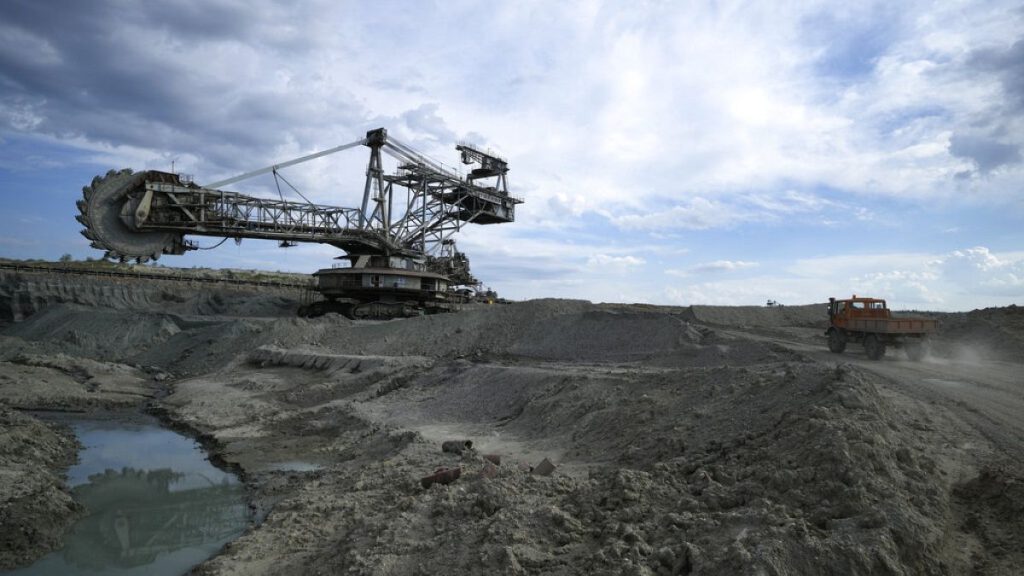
(687, 440)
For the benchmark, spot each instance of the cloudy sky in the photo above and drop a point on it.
(668, 152)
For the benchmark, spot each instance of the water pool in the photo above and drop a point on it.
(154, 503)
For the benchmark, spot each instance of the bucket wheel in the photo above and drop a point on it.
(107, 212)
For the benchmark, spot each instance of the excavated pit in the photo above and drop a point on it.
(684, 440)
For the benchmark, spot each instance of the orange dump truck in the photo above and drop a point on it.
(869, 321)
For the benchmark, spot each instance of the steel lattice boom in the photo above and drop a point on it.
(412, 212)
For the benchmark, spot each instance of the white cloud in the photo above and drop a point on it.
(700, 213)
(977, 270)
(749, 291)
(723, 266)
(958, 280)
(718, 266)
(900, 287)
(702, 101)
(605, 261)
(693, 214)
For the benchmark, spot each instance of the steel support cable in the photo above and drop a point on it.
(400, 155)
(413, 152)
(417, 157)
(275, 167)
(278, 184)
(296, 190)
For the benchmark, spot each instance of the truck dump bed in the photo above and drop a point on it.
(893, 325)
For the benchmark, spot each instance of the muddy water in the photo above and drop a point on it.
(155, 505)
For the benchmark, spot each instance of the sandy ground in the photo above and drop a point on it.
(697, 440)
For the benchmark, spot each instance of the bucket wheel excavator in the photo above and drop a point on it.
(401, 259)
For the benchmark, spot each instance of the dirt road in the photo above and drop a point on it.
(987, 394)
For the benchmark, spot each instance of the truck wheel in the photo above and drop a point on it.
(836, 341)
(915, 350)
(874, 347)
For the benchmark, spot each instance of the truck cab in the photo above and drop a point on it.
(840, 312)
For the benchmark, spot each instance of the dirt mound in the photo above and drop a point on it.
(180, 345)
(23, 294)
(35, 507)
(548, 330)
(807, 315)
(34, 381)
(785, 468)
(991, 333)
(329, 363)
(991, 506)
(99, 333)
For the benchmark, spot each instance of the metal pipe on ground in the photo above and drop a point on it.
(456, 446)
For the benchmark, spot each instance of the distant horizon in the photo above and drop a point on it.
(823, 303)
